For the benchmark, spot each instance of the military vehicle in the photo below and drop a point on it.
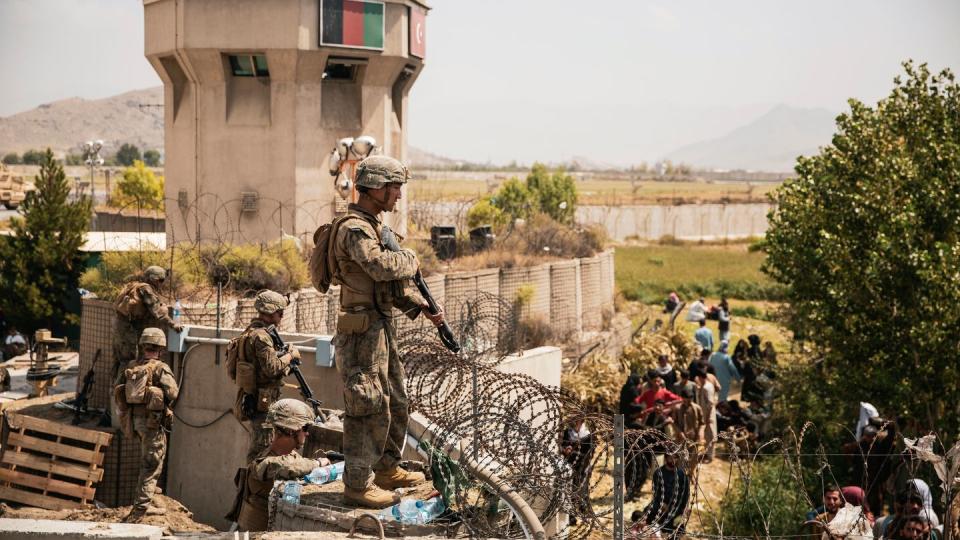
(13, 190)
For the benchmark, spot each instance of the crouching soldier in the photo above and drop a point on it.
(289, 419)
(144, 393)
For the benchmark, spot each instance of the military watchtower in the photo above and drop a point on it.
(258, 92)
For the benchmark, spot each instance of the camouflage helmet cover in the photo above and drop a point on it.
(269, 302)
(155, 273)
(290, 414)
(375, 172)
(153, 336)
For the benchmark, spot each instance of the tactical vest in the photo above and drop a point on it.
(254, 514)
(139, 391)
(358, 291)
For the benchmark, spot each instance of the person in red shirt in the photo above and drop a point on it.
(655, 392)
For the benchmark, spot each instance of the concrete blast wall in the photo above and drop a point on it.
(686, 222)
(207, 443)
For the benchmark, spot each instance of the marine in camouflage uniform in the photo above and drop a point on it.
(373, 280)
(288, 419)
(270, 368)
(129, 329)
(148, 425)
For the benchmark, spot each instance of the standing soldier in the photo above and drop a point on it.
(144, 393)
(289, 419)
(138, 306)
(258, 369)
(373, 280)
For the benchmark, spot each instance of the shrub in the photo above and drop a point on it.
(768, 500)
(117, 267)
(555, 194)
(483, 212)
(138, 183)
(11, 159)
(252, 267)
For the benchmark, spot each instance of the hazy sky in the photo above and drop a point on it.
(547, 79)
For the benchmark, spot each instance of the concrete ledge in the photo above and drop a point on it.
(32, 529)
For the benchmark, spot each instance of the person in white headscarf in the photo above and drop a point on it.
(867, 411)
(921, 488)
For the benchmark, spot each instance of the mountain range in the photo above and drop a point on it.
(769, 142)
(772, 142)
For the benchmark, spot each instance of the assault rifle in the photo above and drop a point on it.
(389, 239)
(305, 391)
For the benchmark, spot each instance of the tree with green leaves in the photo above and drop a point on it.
(11, 159)
(32, 157)
(41, 262)
(127, 154)
(555, 193)
(867, 240)
(151, 158)
(138, 183)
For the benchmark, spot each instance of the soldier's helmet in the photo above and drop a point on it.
(153, 336)
(375, 172)
(269, 302)
(155, 273)
(290, 414)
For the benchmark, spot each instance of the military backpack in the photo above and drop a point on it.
(323, 262)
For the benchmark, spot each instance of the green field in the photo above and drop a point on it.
(649, 273)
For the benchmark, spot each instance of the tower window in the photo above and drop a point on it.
(342, 69)
(249, 65)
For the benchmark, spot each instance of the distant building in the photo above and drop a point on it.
(256, 94)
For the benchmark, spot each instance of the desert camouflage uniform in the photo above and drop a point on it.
(260, 476)
(127, 331)
(270, 372)
(373, 280)
(149, 428)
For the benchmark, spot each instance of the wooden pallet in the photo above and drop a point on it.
(50, 465)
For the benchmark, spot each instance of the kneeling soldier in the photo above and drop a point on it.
(289, 419)
(144, 393)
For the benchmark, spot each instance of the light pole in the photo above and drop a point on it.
(91, 155)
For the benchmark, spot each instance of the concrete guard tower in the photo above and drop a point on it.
(256, 95)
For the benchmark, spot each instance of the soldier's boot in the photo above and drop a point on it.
(397, 478)
(371, 497)
(155, 510)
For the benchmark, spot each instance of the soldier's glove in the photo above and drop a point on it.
(295, 361)
(178, 328)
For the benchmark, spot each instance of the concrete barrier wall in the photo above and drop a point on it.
(685, 222)
(207, 443)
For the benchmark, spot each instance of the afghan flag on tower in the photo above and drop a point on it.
(352, 23)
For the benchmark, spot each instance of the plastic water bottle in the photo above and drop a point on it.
(325, 474)
(432, 508)
(291, 492)
(413, 511)
(177, 310)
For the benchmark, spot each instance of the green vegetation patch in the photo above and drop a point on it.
(650, 273)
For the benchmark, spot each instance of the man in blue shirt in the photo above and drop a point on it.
(704, 336)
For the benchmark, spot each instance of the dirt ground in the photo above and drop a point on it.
(177, 518)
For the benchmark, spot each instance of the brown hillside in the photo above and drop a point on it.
(64, 125)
